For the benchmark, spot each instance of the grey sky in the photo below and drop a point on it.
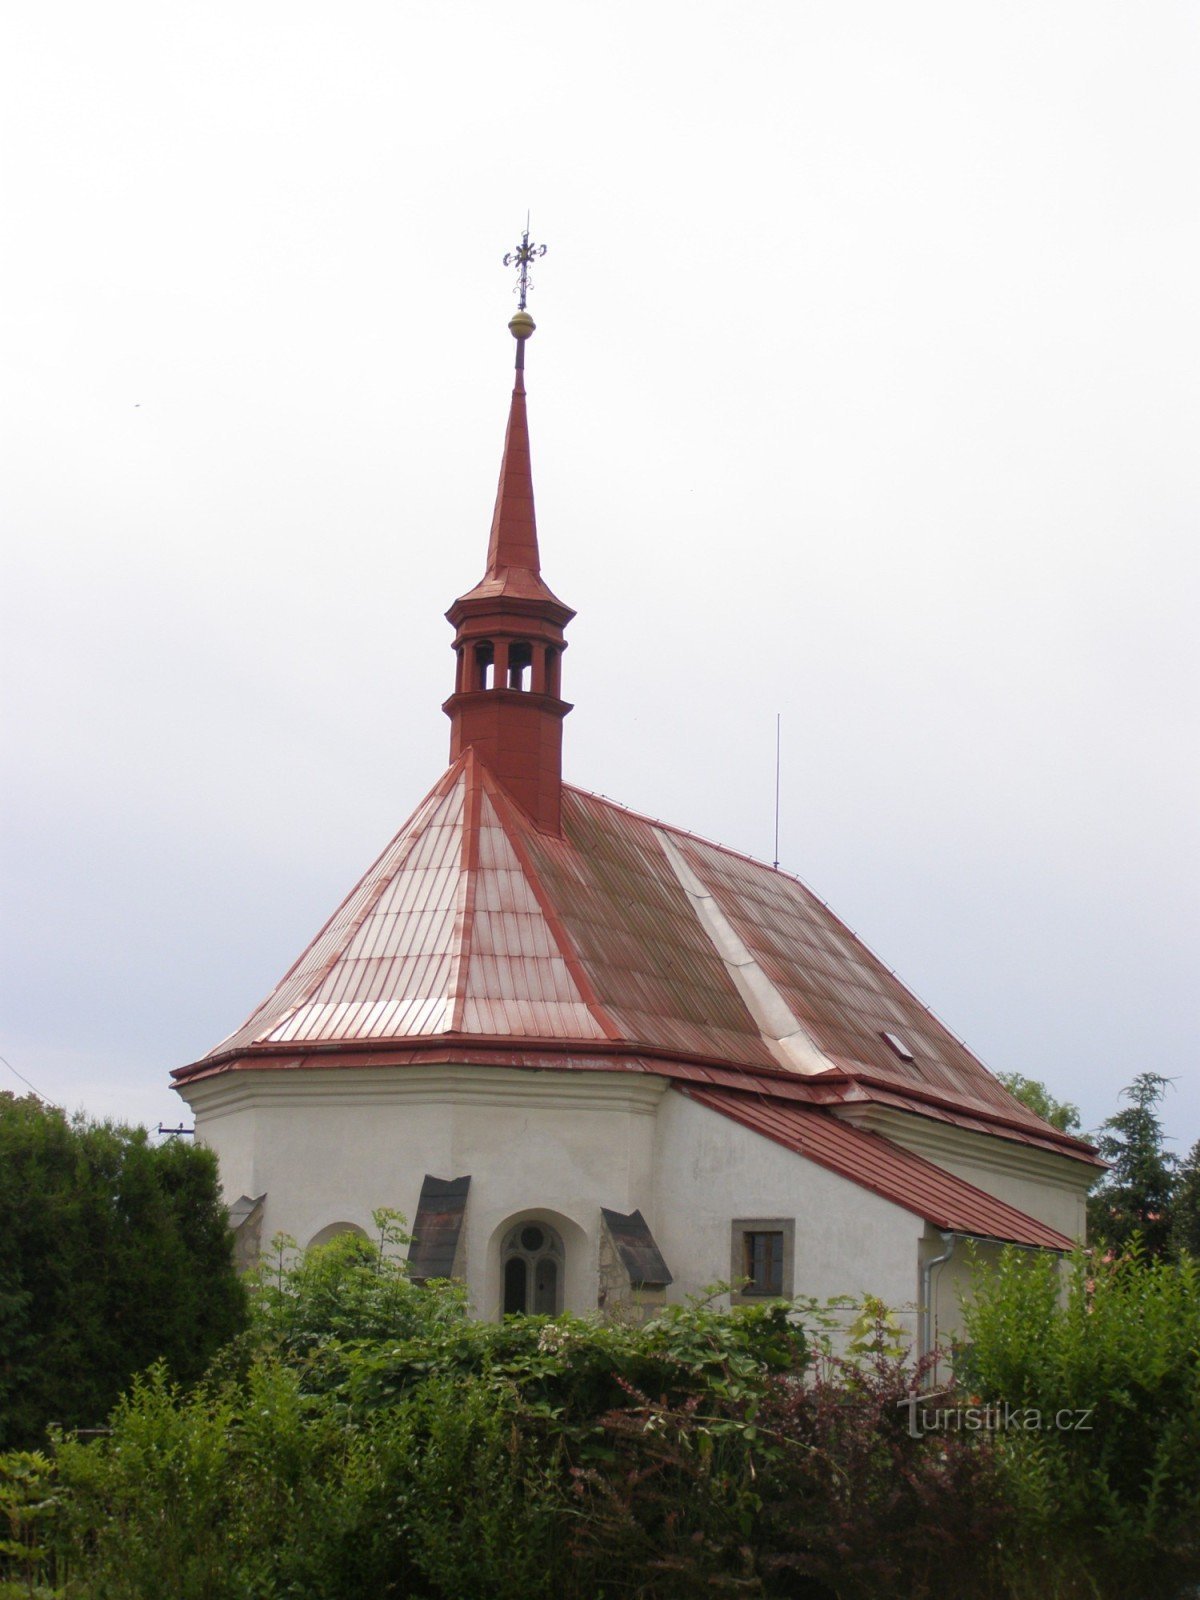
(865, 390)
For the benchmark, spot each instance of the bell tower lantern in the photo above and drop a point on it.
(507, 704)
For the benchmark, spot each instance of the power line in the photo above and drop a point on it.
(43, 1098)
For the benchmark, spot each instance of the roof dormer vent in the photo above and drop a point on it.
(897, 1045)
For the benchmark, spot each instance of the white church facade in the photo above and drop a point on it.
(600, 1063)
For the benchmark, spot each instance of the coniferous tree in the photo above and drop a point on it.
(1136, 1195)
(114, 1253)
(1185, 1223)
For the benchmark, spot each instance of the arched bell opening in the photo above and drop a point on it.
(484, 658)
(520, 664)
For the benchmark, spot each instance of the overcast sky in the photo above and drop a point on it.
(865, 391)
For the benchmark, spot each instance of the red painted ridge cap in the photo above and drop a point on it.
(505, 807)
(464, 910)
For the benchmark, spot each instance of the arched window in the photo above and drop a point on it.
(532, 1261)
(334, 1231)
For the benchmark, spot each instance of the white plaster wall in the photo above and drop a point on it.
(333, 1146)
(710, 1170)
(1064, 1209)
(234, 1139)
(330, 1146)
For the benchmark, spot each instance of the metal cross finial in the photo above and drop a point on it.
(520, 258)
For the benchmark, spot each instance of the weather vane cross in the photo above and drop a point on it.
(520, 258)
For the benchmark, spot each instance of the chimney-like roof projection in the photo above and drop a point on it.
(518, 921)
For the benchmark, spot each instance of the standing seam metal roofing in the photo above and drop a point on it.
(473, 926)
(873, 1162)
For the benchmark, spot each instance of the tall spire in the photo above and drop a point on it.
(509, 627)
(513, 547)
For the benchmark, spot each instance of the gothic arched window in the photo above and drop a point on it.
(532, 1261)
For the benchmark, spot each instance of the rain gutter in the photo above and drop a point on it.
(949, 1240)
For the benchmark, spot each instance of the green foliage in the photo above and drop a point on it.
(230, 1493)
(346, 1291)
(114, 1253)
(365, 1437)
(1185, 1219)
(456, 1483)
(569, 1371)
(323, 1458)
(1109, 1348)
(28, 1506)
(815, 1488)
(876, 1331)
(477, 1493)
(1136, 1195)
(1060, 1114)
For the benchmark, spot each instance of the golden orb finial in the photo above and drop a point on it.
(521, 324)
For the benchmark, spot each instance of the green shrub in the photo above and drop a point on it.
(1111, 1348)
(364, 1437)
(476, 1494)
(436, 1465)
(571, 1370)
(347, 1291)
(237, 1494)
(810, 1488)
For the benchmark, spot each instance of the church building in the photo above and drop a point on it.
(600, 1063)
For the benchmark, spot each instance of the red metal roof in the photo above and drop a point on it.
(622, 938)
(575, 935)
(876, 1163)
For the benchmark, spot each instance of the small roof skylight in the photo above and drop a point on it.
(897, 1044)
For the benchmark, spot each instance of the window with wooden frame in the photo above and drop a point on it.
(762, 1251)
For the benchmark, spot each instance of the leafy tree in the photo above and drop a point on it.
(1185, 1223)
(1136, 1195)
(114, 1253)
(1060, 1114)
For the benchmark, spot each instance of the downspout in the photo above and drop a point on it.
(949, 1240)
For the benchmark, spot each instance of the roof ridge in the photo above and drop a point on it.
(464, 911)
(502, 801)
